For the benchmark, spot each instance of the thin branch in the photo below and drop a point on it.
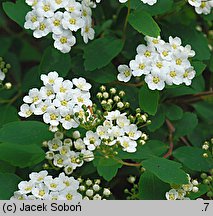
(171, 144)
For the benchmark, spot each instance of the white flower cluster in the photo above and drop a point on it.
(202, 6)
(116, 129)
(42, 186)
(67, 153)
(181, 192)
(161, 62)
(62, 18)
(92, 190)
(57, 100)
(150, 2)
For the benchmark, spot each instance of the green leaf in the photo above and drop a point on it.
(151, 187)
(25, 133)
(9, 183)
(104, 75)
(21, 155)
(107, 168)
(204, 110)
(16, 11)
(148, 100)
(8, 114)
(144, 23)
(5, 44)
(192, 158)
(31, 79)
(100, 52)
(160, 7)
(6, 167)
(186, 125)
(173, 112)
(166, 170)
(199, 67)
(54, 60)
(157, 120)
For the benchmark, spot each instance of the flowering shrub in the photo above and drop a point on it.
(120, 107)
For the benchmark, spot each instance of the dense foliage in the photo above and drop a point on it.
(106, 99)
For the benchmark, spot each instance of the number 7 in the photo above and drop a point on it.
(207, 204)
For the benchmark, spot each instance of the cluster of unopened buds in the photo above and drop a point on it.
(161, 63)
(202, 6)
(132, 194)
(208, 148)
(150, 2)
(4, 67)
(42, 186)
(182, 192)
(58, 100)
(61, 18)
(92, 190)
(207, 179)
(67, 153)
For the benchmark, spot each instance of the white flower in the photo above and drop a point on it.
(38, 177)
(34, 97)
(25, 187)
(31, 2)
(55, 23)
(174, 76)
(82, 98)
(64, 41)
(141, 65)
(106, 192)
(45, 8)
(26, 110)
(82, 84)
(79, 144)
(42, 30)
(175, 42)
(70, 194)
(87, 155)
(32, 20)
(205, 7)
(125, 73)
(60, 3)
(62, 86)
(52, 116)
(67, 119)
(113, 115)
(172, 195)
(92, 140)
(132, 132)
(188, 75)
(40, 191)
(72, 21)
(155, 81)
(51, 78)
(54, 184)
(87, 32)
(127, 144)
(54, 144)
(69, 181)
(102, 132)
(195, 3)
(122, 121)
(74, 7)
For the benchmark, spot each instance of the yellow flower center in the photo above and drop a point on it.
(172, 74)
(159, 64)
(53, 117)
(73, 21)
(142, 66)
(127, 73)
(42, 26)
(46, 8)
(63, 40)
(35, 99)
(147, 53)
(64, 103)
(53, 185)
(165, 53)
(67, 117)
(41, 193)
(56, 22)
(178, 61)
(156, 80)
(33, 19)
(69, 196)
